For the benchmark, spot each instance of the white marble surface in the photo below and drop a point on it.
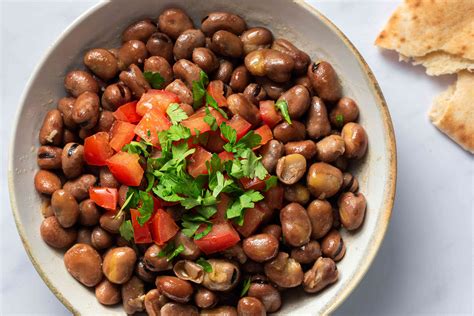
(425, 265)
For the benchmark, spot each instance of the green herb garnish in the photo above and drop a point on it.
(282, 105)
(170, 251)
(206, 266)
(176, 113)
(199, 89)
(126, 230)
(155, 80)
(340, 119)
(246, 200)
(245, 287)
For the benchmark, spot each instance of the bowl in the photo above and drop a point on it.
(294, 20)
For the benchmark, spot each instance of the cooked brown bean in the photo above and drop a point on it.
(131, 52)
(330, 148)
(160, 65)
(284, 271)
(69, 137)
(216, 21)
(55, 235)
(107, 179)
(285, 132)
(298, 100)
(239, 104)
(86, 110)
(154, 262)
(107, 293)
(273, 89)
(133, 292)
(240, 79)
(345, 111)
(72, 158)
(187, 71)
(47, 182)
(308, 253)
(317, 124)
(140, 30)
(224, 275)
(191, 250)
(295, 224)
(51, 132)
(255, 93)
(154, 301)
(77, 82)
(65, 106)
(224, 71)
(297, 192)
(325, 81)
(260, 247)
(355, 140)
(173, 22)
(250, 306)
(271, 152)
(84, 133)
(305, 82)
(122, 194)
(300, 58)
(84, 236)
(267, 294)
(174, 288)
(205, 298)
(115, 95)
(105, 122)
(101, 239)
(181, 90)
(321, 217)
(291, 168)
(332, 246)
(143, 273)
(220, 311)
(272, 229)
(187, 42)
(271, 63)
(205, 59)
(323, 273)
(65, 208)
(88, 213)
(159, 44)
(111, 223)
(256, 38)
(349, 183)
(306, 148)
(176, 309)
(135, 81)
(49, 157)
(235, 253)
(118, 264)
(102, 63)
(79, 187)
(352, 210)
(323, 180)
(84, 263)
(226, 44)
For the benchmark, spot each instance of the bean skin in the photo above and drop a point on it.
(352, 210)
(47, 182)
(107, 293)
(271, 152)
(323, 180)
(256, 38)
(345, 111)
(333, 246)
(51, 132)
(284, 271)
(55, 235)
(135, 81)
(298, 100)
(84, 264)
(86, 110)
(140, 30)
(250, 306)
(285, 132)
(159, 44)
(317, 124)
(49, 157)
(216, 21)
(174, 288)
(239, 104)
(102, 63)
(187, 42)
(267, 294)
(131, 52)
(224, 71)
(65, 106)
(321, 216)
(79, 187)
(115, 95)
(325, 81)
(133, 292)
(226, 44)
(173, 22)
(160, 65)
(291, 168)
(65, 208)
(72, 158)
(77, 82)
(176, 309)
(307, 148)
(323, 273)
(88, 213)
(355, 140)
(295, 224)
(261, 247)
(118, 264)
(308, 253)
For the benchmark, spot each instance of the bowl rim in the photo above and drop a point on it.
(378, 235)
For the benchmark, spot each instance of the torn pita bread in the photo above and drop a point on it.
(438, 63)
(453, 111)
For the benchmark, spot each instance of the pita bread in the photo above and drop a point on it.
(438, 63)
(453, 111)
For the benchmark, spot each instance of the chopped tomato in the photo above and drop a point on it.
(196, 121)
(253, 184)
(215, 143)
(160, 203)
(216, 90)
(269, 113)
(97, 149)
(226, 156)
(126, 168)
(121, 134)
(150, 125)
(221, 237)
(240, 125)
(274, 197)
(128, 113)
(163, 227)
(266, 133)
(157, 100)
(197, 162)
(141, 234)
(222, 207)
(104, 197)
(253, 217)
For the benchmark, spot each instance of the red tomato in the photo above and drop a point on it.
(159, 203)
(253, 184)
(274, 197)
(104, 197)
(253, 217)
(216, 90)
(221, 237)
(269, 113)
(150, 125)
(196, 121)
(197, 162)
(225, 156)
(163, 227)
(97, 149)
(121, 134)
(240, 125)
(222, 207)
(157, 100)
(128, 113)
(141, 234)
(125, 168)
(266, 133)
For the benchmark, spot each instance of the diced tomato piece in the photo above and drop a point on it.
(150, 125)
(266, 133)
(126, 168)
(196, 121)
(253, 217)
(141, 234)
(240, 125)
(215, 143)
(226, 156)
(216, 90)
(221, 237)
(197, 162)
(121, 134)
(157, 100)
(104, 197)
(128, 113)
(252, 184)
(263, 207)
(160, 203)
(222, 207)
(274, 197)
(163, 227)
(97, 149)
(269, 113)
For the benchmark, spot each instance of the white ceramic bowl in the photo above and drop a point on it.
(295, 20)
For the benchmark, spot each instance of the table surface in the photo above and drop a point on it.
(425, 265)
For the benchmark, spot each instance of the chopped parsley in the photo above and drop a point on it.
(282, 105)
(246, 200)
(206, 266)
(126, 230)
(340, 119)
(170, 251)
(245, 287)
(155, 80)
(199, 89)
(176, 113)
(140, 148)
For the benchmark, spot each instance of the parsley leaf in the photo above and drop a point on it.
(340, 119)
(249, 140)
(213, 103)
(150, 178)
(271, 182)
(206, 266)
(146, 209)
(210, 119)
(192, 222)
(218, 183)
(282, 105)
(204, 232)
(229, 133)
(155, 80)
(170, 251)
(246, 200)
(140, 148)
(245, 287)
(126, 230)
(176, 113)
(199, 89)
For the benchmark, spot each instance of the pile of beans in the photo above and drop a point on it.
(299, 246)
